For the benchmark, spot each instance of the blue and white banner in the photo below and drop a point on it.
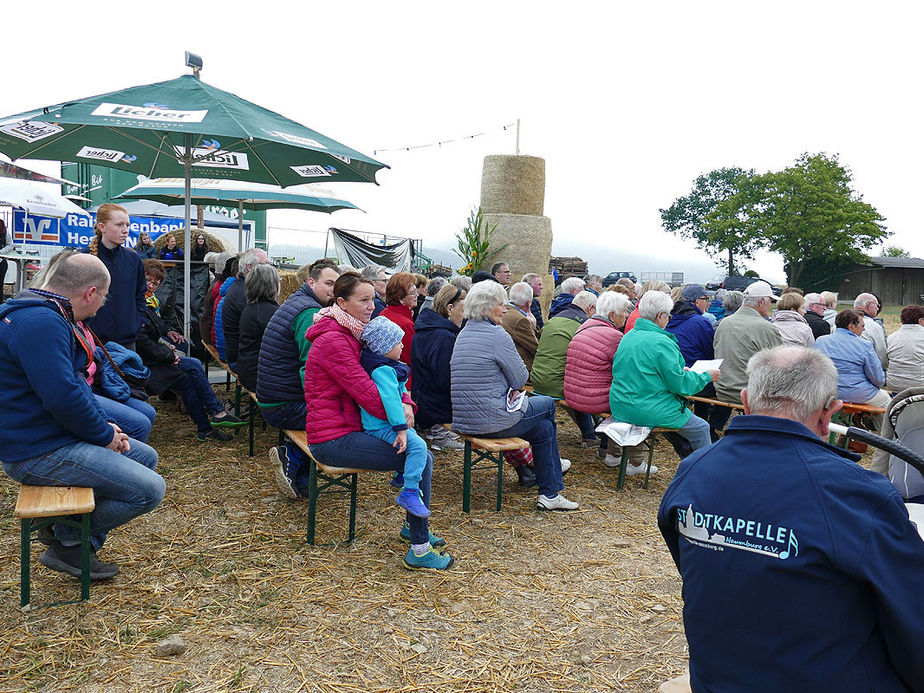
(76, 230)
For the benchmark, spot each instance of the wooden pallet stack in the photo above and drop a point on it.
(568, 266)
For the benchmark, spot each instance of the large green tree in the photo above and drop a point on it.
(692, 216)
(809, 214)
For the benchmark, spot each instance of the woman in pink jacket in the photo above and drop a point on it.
(336, 385)
(589, 364)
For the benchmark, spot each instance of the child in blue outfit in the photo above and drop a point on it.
(382, 347)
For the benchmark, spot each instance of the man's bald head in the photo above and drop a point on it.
(73, 273)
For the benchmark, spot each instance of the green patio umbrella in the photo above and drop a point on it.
(225, 193)
(170, 128)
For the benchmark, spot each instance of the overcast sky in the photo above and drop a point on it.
(627, 103)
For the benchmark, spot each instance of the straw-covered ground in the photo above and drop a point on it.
(585, 601)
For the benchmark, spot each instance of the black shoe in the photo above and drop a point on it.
(215, 434)
(527, 476)
(66, 559)
(681, 445)
(46, 535)
(227, 421)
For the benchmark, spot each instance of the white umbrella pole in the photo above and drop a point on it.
(187, 203)
(240, 226)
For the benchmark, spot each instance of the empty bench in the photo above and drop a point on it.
(38, 507)
(324, 480)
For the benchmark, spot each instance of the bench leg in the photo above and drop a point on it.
(250, 428)
(227, 382)
(312, 500)
(237, 399)
(648, 468)
(623, 462)
(500, 478)
(353, 485)
(85, 556)
(467, 479)
(25, 538)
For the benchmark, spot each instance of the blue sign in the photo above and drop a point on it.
(76, 230)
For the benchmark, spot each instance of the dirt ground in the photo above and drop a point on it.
(536, 602)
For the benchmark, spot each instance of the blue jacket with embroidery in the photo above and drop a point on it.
(801, 570)
(46, 402)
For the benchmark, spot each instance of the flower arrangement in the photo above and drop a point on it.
(474, 240)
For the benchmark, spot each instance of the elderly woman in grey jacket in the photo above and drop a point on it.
(486, 373)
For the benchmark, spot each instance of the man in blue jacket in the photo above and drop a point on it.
(54, 433)
(281, 372)
(801, 570)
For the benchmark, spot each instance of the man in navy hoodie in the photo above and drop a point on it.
(801, 570)
(54, 433)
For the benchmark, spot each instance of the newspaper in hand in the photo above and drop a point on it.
(623, 433)
(515, 400)
(704, 365)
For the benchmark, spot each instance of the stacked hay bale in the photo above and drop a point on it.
(216, 243)
(513, 198)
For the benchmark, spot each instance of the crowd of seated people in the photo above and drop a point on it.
(445, 359)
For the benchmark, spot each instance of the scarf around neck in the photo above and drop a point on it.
(344, 319)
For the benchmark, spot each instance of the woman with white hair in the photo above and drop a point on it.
(486, 373)
(650, 382)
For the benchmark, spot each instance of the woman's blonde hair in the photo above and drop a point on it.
(103, 216)
(790, 301)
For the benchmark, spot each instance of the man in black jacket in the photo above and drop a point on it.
(814, 310)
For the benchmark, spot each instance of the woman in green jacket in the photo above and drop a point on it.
(650, 381)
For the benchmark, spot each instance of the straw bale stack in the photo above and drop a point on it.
(513, 185)
(288, 283)
(216, 244)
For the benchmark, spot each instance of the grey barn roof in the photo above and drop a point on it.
(905, 262)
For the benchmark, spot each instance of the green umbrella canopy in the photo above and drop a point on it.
(252, 196)
(142, 130)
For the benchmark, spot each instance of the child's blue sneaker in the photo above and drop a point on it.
(435, 541)
(397, 480)
(429, 561)
(413, 503)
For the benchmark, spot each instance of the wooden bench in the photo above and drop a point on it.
(213, 356)
(716, 402)
(490, 450)
(42, 506)
(843, 416)
(624, 459)
(328, 481)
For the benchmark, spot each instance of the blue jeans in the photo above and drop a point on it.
(124, 485)
(361, 451)
(291, 415)
(584, 421)
(538, 427)
(696, 431)
(415, 455)
(134, 417)
(198, 396)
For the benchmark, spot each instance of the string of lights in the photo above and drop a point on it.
(441, 142)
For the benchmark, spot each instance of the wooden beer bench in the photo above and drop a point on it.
(490, 451)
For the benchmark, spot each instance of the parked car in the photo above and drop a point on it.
(739, 283)
(614, 277)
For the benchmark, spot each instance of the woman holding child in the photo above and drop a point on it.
(337, 384)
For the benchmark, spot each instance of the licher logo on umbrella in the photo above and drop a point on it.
(313, 171)
(209, 156)
(149, 111)
(102, 154)
(30, 130)
(294, 139)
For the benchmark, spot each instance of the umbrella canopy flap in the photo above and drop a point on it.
(141, 129)
(36, 198)
(229, 193)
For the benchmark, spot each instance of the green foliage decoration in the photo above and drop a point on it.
(474, 242)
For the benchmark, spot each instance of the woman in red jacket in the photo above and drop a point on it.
(401, 298)
(336, 385)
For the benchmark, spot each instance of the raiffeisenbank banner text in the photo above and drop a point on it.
(76, 230)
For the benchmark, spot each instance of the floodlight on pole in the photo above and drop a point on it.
(195, 62)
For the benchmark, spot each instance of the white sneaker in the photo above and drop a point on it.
(611, 461)
(565, 465)
(632, 470)
(446, 443)
(559, 502)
